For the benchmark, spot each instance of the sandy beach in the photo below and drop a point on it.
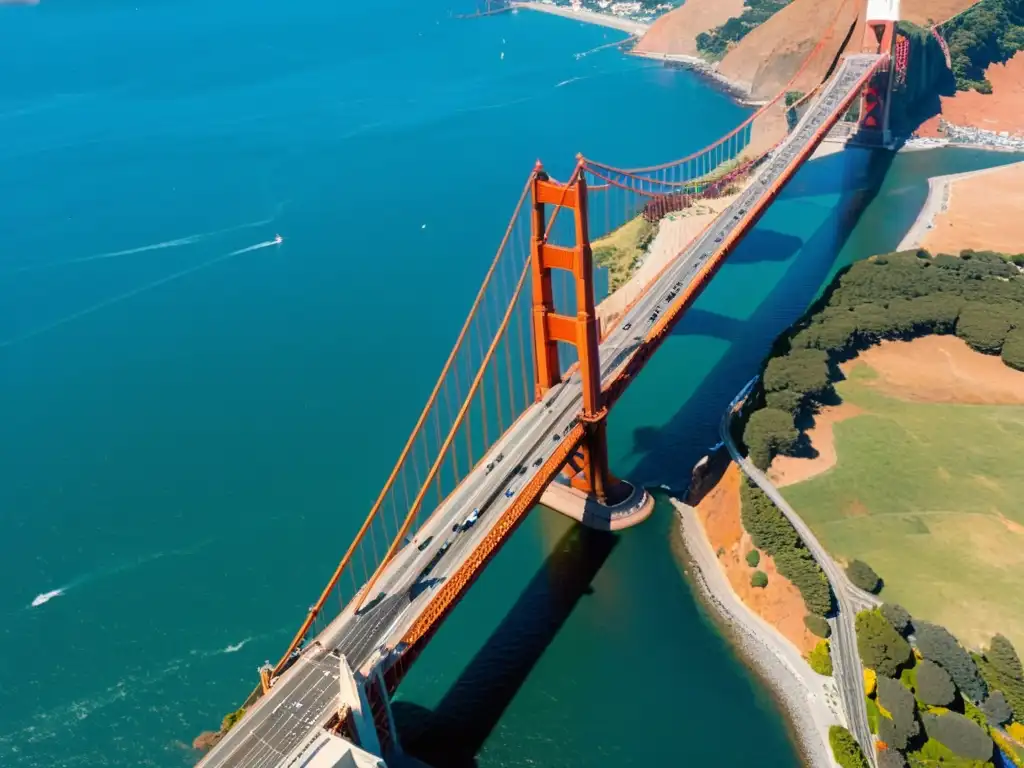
(587, 17)
(977, 209)
(810, 700)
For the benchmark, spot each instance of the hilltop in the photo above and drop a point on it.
(759, 45)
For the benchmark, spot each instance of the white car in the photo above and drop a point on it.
(473, 517)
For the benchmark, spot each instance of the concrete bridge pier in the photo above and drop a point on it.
(626, 506)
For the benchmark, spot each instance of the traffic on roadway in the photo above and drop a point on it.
(300, 699)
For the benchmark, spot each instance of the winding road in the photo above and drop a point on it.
(845, 659)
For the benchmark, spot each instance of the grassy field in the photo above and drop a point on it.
(932, 497)
(621, 250)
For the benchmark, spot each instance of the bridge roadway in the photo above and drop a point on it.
(303, 697)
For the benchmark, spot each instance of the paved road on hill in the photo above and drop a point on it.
(845, 658)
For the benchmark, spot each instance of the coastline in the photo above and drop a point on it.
(937, 202)
(810, 701)
(637, 28)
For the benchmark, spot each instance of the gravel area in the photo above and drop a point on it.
(809, 700)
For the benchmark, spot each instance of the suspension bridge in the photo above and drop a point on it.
(518, 415)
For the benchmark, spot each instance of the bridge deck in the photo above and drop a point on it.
(302, 699)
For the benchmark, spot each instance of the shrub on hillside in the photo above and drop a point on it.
(898, 616)
(1003, 657)
(1013, 348)
(985, 325)
(820, 659)
(817, 625)
(880, 646)
(769, 432)
(901, 725)
(1001, 669)
(995, 708)
(863, 576)
(753, 558)
(759, 579)
(934, 685)
(963, 737)
(937, 644)
(845, 748)
(802, 373)
(773, 534)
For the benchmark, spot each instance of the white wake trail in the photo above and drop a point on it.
(175, 243)
(134, 292)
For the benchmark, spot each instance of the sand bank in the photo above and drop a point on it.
(809, 700)
(977, 209)
(587, 17)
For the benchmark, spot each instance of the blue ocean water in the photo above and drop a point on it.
(196, 419)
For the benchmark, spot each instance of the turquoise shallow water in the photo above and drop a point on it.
(192, 431)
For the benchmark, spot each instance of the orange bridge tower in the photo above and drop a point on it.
(593, 496)
(876, 101)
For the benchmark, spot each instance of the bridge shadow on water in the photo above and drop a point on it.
(666, 454)
(452, 734)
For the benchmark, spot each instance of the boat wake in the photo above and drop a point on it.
(177, 242)
(45, 597)
(136, 291)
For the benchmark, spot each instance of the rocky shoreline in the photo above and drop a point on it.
(809, 701)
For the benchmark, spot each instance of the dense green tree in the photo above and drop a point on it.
(801, 371)
(962, 736)
(820, 659)
(1001, 669)
(863, 575)
(989, 32)
(1013, 348)
(845, 748)
(996, 709)
(934, 685)
(1003, 656)
(773, 534)
(937, 644)
(901, 726)
(985, 325)
(753, 558)
(759, 579)
(817, 625)
(786, 400)
(898, 616)
(769, 431)
(880, 646)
